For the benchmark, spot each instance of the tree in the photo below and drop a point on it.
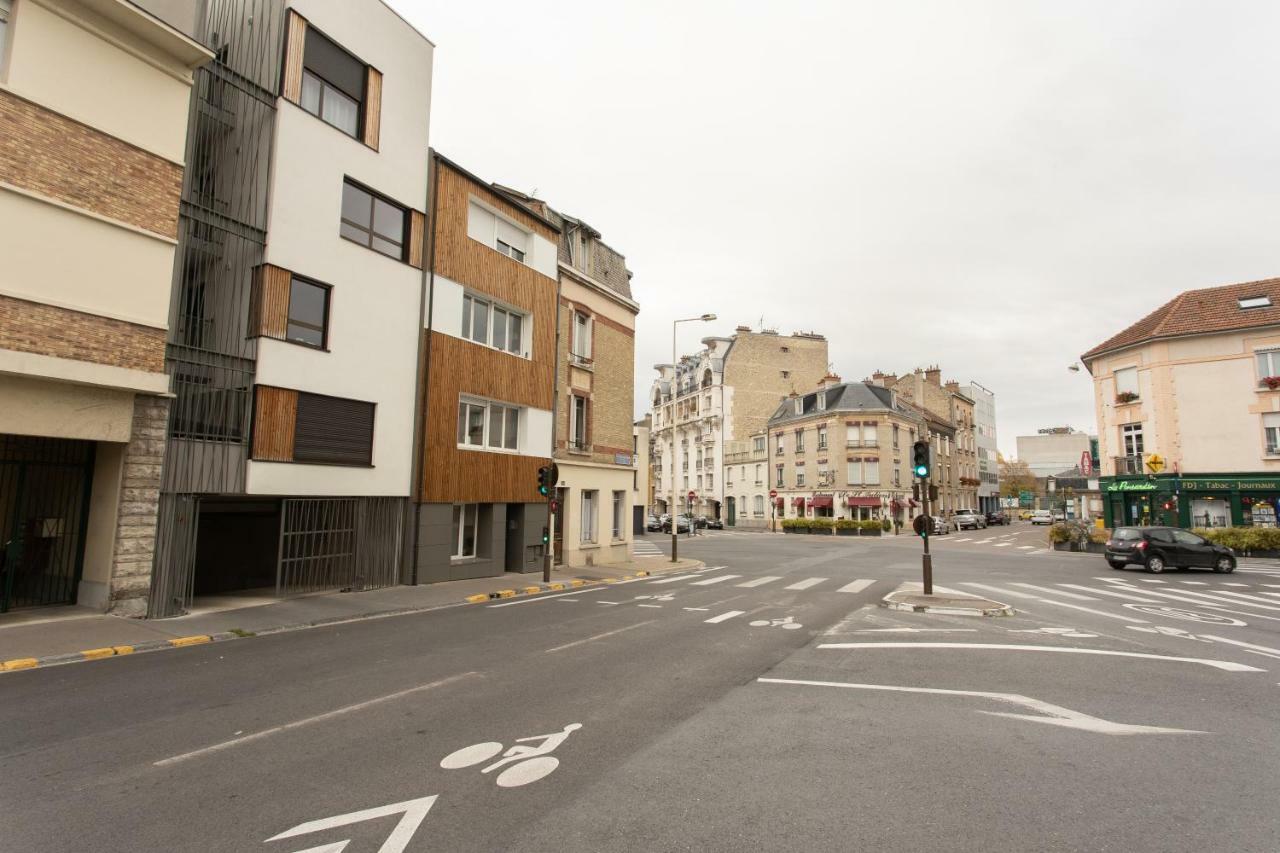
(1015, 477)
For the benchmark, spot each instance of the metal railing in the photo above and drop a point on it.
(1129, 464)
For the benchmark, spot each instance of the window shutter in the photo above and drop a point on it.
(333, 430)
(274, 417)
(269, 302)
(294, 46)
(590, 424)
(417, 233)
(372, 107)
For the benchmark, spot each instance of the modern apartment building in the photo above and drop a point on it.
(297, 302)
(1195, 383)
(711, 403)
(843, 451)
(984, 439)
(488, 381)
(595, 378)
(949, 417)
(93, 111)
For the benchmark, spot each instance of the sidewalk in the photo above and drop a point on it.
(49, 636)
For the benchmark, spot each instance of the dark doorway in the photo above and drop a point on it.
(514, 561)
(238, 545)
(557, 542)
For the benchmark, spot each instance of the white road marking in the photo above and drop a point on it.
(1225, 583)
(1052, 714)
(998, 591)
(1091, 610)
(1250, 646)
(1226, 593)
(761, 581)
(544, 597)
(1271, 586)
(916, 631)
(1206, 599)
(806, 583)
(1228, 666)
(1138, 598)
(306, 721)
(659, 606)
(675, 579)
(717, 579)
(610, 603)
(985, 541)
(966, 539)
(1194, 583)
(697, 608)
(1002, 545)
(1150, 580)
(724, 617)
(414, 813)
(1166, 612)
(600, 636)
(1055, 591)
(857, 586)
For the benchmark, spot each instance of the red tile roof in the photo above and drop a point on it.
(1197, 312)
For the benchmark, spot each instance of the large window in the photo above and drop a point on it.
(333, 431)
(488, 425)
(373, 221)
(779, 480)
(581, 341)
(308, 313)
(871, 472)
(822, 438)
(1271, 428)
(619, 515)
(1268, 363)
(493, 325)
(1131, 439)
(757, 444)
(799, 441)
(578, 439)
(466, 529)
(757, 506)
(589, 510)
(799, 477)
(333, 83)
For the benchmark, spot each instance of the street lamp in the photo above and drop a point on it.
(675, 519)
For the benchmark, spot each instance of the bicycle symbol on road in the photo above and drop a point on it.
(786, 623)
(526, 763)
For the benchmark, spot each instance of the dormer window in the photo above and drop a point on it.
(1254, 302)
(822, 400)
(799, 405)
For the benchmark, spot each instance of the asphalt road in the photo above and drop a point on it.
(1116, 711)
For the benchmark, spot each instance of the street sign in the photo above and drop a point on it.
(1025, 499)
(1086, 463)
(692, 495)
(773, 493)
(1155, 463)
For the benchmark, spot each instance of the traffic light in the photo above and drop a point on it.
(546, 535)
(921, 526)
(547, 477)
(922, 459)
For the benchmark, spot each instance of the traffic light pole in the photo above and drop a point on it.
(927, 558)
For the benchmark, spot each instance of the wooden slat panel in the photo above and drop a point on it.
(372, 107)
(275, 411)
(295, 43)
(417, 230)
(269, 302)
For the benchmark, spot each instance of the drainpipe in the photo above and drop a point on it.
(426, 313)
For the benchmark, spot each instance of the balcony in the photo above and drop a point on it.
(855, 443)
(578, 360)
(1129, 465)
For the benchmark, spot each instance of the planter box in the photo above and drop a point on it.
(875, 532)
(1096, 547)
(1062, 546)
(1262, 552)
(793, 530)
(846, 531)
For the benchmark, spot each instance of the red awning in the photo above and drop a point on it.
(821, 501)
(797, 501)
(862, 502)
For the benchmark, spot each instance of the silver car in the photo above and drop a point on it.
(967, 519)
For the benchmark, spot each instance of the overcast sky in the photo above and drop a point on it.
(992, 186)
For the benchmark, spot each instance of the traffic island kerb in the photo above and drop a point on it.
(944, 605)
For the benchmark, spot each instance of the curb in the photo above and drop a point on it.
(1002, 610)
(553, 586)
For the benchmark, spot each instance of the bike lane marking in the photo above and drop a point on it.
(724, 617)
(717, 579)
(1227, 666)
(599, 636)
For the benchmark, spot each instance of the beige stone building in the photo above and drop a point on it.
(711, 403)
(842, 451)
(1197, 384)
(93, 105)
(949, 417)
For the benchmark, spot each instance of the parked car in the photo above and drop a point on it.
(1042, 516)
(967, 519)
(705, 523)
(997, 518)
(682, 524)
(941, 527)
(1059, 515)
(1160, 548)
(1024, 515)
(653, 524)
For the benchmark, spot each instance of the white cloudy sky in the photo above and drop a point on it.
(1036, 175)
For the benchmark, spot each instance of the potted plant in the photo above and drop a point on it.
(1126, 397)
(1060, 536)
(869, 528)
(885, 525)
(1272, 382)
(846, 527)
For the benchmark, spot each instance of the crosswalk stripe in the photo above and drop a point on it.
(724, 617)
(1053, 591)
(1000, 591)
(857, 586)
(1244, 597)
(1150, 580)
(806, 583)
(675, 579)
(716, 579)
(1194, 583)
(966, 539)
(1136, 599)
(1002, 545)
(1234, 584)
(1025, 547)
(760, 581)
(1204, 598)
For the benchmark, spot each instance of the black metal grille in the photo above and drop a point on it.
(339, 543)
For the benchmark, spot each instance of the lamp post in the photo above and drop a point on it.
(675, 519)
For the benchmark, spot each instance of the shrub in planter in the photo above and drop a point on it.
(885, 525)
(1126, 397)
(1272, 382)
(1247, 539)
(1059, 534)
(869, 528)
(846, 527)
(795, 525)
(822, 525)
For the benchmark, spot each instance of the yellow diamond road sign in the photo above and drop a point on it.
(1155, 463)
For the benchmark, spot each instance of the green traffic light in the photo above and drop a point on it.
(922, 470)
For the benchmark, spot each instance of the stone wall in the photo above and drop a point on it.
(764, 368)
(135, 538)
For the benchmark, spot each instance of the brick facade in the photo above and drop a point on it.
(49, 154)
(135, 540)
(60, 332)
(762, 369)
(608, 384)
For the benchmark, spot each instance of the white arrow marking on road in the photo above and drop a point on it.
(335, 847)
(1054, 715)
(1217, 664)
(397, 841)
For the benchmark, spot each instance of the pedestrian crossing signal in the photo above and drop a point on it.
(921, 526)
(546, 535)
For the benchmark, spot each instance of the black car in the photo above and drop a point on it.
(1160, 548)
(997, 518)
(653, 525)
(705, 523)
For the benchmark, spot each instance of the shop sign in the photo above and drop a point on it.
(1228, 485)
(1131, 486)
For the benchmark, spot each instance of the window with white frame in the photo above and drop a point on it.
(589, 510)
(757, 506)
(1127, 381)
(578, 417)
(466, 529)
(799, 477)
(497, 233)
(779, 480)
(619, 515)
(580, 342)
(758, 470)
(1131, 439)
(855, 472)
(822, 438)
(1271, 429)
(799, 441)
(824, 474)
(822, 400)
(870, 472)
(757, 444)
(494, 325)
(487, 425)
(781, 444)
(1268, 363)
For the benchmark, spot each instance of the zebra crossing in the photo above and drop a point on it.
(706, 577)
(643, 548)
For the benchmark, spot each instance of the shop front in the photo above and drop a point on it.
(823, 505)
(863, 508)
(1197, 500)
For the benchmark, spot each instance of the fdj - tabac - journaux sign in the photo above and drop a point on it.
(1228, 485)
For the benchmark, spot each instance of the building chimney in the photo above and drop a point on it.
(953, 385)
(830, 380)
(933, 375)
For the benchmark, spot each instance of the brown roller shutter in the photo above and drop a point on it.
(294, 46)
(274, 417)
(333, 431)
(372, 107)
(269, 302)
(417, 231)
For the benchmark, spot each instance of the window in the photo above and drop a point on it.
(372, 221)
(779, 480)
(780, 444)
(897, 474)
(489, 425)
(333, 431)
(869, 435)
(580, 342)
(588, 523)
(619, 505)
(493, 325)
(502, 235)
(578, 407)
(1268, 363)
(822, 400)
(799, 441)
(308, 313)
(799, 477)
(823, 476)
(855, 472)
(4, 27)
(757, 444)
(871, 472)
(1244, 303)
(711, 481)
(757, 506)
(822, 438)
(333, 83)
(1127, 381)
(1131, 439)
(758, 480)
(895, 436)
(1271, 428)
(466, 529)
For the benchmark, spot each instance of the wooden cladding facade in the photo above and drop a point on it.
(295, 41)
(455, 475)
(269, 302)
(417, 233)
(372, 107)
(275, 414)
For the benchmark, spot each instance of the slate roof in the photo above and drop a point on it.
(844, 398)
(1197, 312)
